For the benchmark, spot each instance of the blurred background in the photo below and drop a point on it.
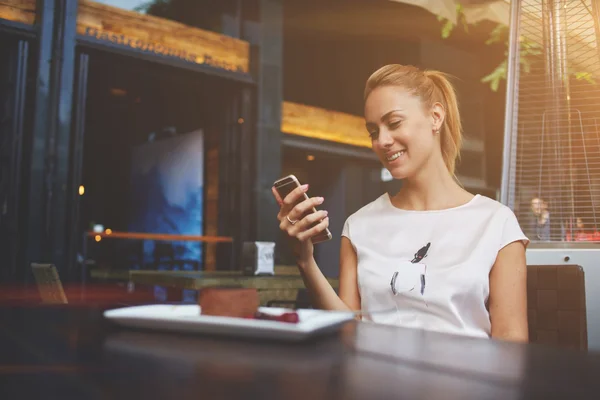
(175, 118)
(144, 136)
(139, 140)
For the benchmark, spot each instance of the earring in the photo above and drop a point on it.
(437, 131)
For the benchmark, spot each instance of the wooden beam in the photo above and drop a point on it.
(162, 36)
(146, 32)
(319, 123)
(166, 237)
(18, 11)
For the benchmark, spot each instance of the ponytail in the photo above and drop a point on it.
(432, 87)
(451, 132)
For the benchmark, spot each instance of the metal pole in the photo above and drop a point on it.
(558, 99)
(509, 159)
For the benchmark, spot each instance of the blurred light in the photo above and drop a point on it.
(118, 92)
(240, 121)
(98, 238)
(310, 157)
(98, 228)
(108, 231)
(568, 97)
(386, 176)
(81, 190)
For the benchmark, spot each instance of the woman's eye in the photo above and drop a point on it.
(374, 134)
(394, 124)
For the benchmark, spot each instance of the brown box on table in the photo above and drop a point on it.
(228, 302)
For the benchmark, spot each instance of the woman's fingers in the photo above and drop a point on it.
(293, 197)
(307, 234)
(286, 204)
(308, 221)
(296, 217)
(305, 207)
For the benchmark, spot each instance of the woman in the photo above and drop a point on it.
(434, 256)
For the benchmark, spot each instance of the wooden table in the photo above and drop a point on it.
(270, 287)
(73, 353)
(107, 275)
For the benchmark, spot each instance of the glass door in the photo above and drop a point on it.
(14, 55)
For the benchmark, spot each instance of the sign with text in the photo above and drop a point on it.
(161, 36)
(147, 33)
(18, 11)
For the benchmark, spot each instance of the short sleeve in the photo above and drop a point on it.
(346, 229)
(511, 231)
(346, 233)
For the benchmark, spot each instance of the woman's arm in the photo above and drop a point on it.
(300, 226)
(348, 275)
(322, 294)
(508, 294)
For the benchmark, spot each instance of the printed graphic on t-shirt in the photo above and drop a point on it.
(410, 275)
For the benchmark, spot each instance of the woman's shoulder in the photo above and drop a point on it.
(374, 207)
(480, 207)
(492, 206)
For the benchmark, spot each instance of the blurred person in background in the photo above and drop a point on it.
(538, 224)
(581, 232)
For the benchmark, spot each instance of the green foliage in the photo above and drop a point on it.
(584, 76)
(496, 76)
(447, 29)
(528, 52)
(498, 35)
(448, 26)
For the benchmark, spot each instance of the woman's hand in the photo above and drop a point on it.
(299, 222)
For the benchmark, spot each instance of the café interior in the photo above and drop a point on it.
(140, 142)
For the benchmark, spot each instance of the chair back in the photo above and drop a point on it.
(556, 305)
(49, 284)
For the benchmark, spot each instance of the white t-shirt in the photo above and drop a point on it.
(432, 266)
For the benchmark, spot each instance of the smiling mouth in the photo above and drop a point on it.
(395, 155)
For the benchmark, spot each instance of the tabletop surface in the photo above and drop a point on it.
(201, 279)
(74, 353)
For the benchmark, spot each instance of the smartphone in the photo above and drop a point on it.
(285, 186)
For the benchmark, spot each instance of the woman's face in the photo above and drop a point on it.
(401, 130)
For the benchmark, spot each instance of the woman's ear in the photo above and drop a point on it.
(438, 115)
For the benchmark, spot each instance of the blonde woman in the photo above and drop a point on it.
(434, 255)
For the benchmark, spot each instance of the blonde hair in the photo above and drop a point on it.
(431, 87)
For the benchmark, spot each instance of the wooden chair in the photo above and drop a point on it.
(49, 284)
(556, 305)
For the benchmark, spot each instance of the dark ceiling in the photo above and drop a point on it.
(372, 19)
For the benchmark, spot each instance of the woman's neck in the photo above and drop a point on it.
(433, 188)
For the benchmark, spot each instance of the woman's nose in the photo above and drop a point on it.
(385, 138)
